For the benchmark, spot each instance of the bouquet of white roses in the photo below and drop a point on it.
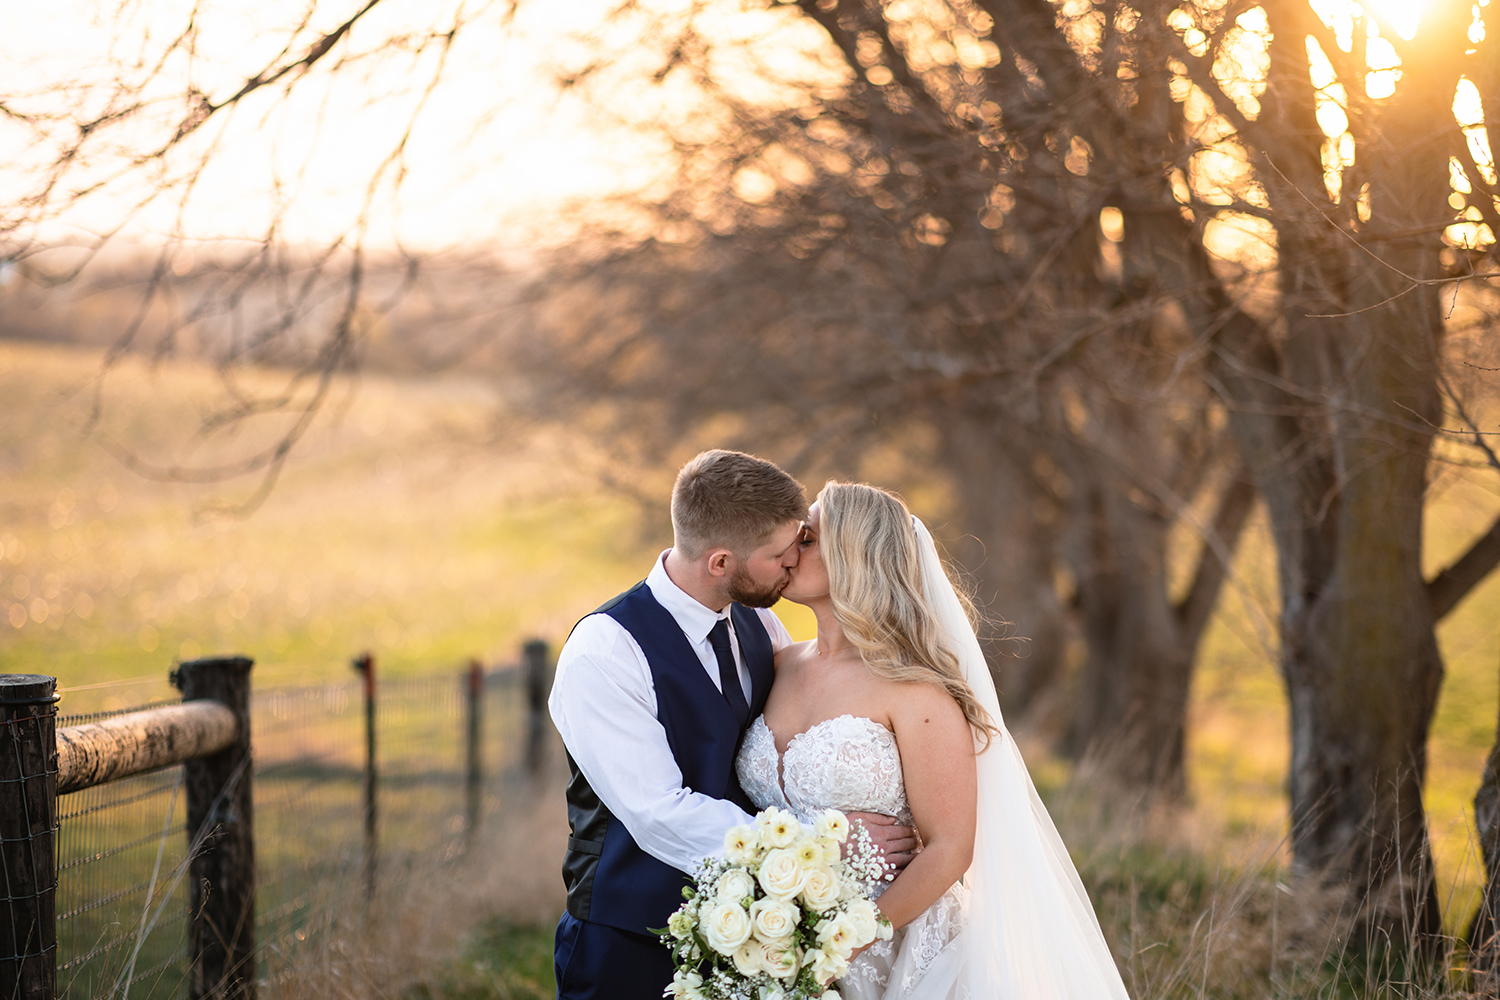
(777, 917)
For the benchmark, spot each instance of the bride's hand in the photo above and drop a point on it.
(898, 843)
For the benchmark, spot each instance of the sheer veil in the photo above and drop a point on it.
(1031, 931)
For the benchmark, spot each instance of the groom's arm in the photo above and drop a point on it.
(604, 706)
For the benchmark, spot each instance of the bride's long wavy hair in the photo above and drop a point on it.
(875, 583)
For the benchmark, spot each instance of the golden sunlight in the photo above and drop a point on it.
(1402, 15)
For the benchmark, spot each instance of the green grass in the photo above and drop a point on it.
(499, 961)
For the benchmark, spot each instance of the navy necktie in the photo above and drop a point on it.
(729, 677)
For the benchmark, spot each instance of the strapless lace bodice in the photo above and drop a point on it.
(849, 763)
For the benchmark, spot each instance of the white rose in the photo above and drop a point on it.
(777, 828)
(726, 927)
(830, 995)
(741, 847)
(735, 885)
(821, 890)
(687, 986)
(746, 958)
(863, 915)
(774, 993)
(837, 935)
(831, 853)
(773, 920)
(826, 967)
(680, 924)
(781, 874)
(832, 824)
(778, 960)
(884, 929)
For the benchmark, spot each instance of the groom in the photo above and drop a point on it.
(653, 693)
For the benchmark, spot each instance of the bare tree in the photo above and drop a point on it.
(129, 141)
(865, 254)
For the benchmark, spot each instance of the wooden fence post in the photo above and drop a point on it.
(28, 819)
(365, 664)
(221, 823)
(473, 764)
(535, 654)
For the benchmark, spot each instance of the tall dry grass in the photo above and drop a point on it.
(443, 929)
(1191, 913)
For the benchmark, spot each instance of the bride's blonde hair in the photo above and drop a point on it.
(875, 583)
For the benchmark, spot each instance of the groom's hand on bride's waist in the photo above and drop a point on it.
(899, 843)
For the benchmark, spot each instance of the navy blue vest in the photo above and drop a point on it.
(610, 879)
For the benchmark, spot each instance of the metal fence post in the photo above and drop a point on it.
(365, 664)
(28, 820)
(473, 764)
(535, 654)
(221, 822)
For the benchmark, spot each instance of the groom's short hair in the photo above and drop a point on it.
(733, 500)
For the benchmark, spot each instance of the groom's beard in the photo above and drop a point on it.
(744, 590)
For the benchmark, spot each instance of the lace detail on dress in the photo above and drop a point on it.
(930, 933)
(757, 767)
(848, 763)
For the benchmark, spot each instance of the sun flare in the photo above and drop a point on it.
(1402, 15)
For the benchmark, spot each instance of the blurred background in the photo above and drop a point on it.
(330, 327)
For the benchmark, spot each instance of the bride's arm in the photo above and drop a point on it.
(937, 765)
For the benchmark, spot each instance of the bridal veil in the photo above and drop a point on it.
(1031, 931)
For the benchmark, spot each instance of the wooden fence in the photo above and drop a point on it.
(208, 733)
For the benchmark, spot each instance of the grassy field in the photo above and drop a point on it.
(398, 528)
(414, 522)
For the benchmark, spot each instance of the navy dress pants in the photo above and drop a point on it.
(595, 962)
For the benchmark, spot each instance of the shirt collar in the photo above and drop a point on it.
(695, 620)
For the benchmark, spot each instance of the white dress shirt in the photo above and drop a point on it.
(604, 705)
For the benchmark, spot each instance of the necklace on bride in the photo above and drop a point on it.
(835, 649)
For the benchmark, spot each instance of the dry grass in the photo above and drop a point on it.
(480, 925)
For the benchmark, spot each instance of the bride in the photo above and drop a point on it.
(891, 710)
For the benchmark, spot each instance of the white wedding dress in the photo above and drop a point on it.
(852, 764)
(1020, 926)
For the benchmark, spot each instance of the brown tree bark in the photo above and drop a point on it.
(1484, 930)
(1130, 718)
(1008, 547)
(1337, 421)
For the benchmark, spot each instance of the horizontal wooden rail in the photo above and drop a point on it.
(98, 752)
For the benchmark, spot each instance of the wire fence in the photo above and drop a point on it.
(449, 750)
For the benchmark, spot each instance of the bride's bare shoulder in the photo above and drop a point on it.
(925, 702)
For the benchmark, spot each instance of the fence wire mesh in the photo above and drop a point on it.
(122, 848)
(122, 898)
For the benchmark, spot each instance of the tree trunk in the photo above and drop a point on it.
(1335, 417)
(1131, 701)
(1484, 931)
(1008, 548)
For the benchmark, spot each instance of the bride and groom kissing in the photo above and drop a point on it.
(685, 706)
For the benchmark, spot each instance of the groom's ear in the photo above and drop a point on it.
(718, 561)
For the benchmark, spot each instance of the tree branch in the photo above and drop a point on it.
(207, 109)
(1229, 521)
(1453, 584)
